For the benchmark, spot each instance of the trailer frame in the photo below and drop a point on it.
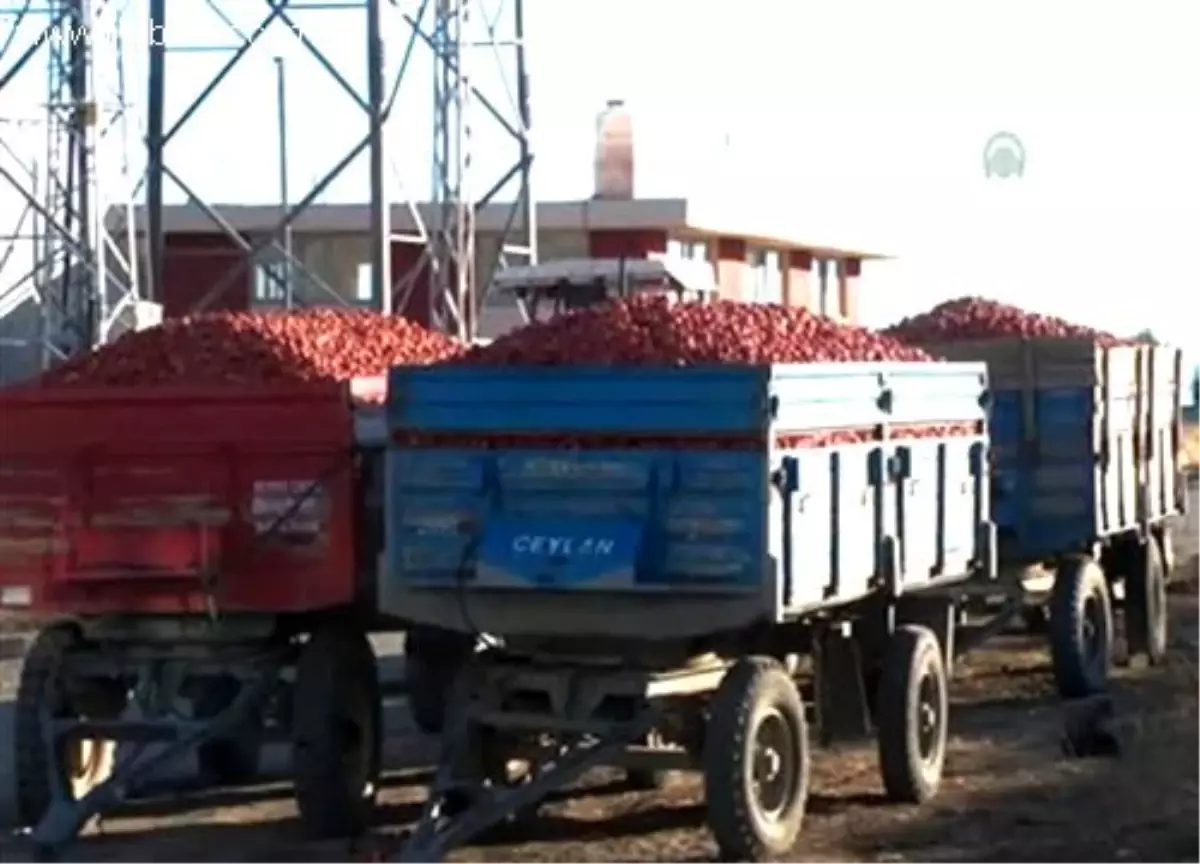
(473, 790)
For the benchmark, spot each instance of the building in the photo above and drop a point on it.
(752, 261)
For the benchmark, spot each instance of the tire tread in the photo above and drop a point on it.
(730, 812)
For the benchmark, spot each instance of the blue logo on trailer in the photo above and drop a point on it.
(561, 552)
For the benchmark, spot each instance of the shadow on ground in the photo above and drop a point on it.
(1142, 806)
(1009, 794)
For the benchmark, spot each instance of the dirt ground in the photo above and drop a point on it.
(1009, 793)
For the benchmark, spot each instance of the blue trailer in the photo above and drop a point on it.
(1086, 479)
(650, 606)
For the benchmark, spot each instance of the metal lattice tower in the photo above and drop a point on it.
(62, 84)
(88, 175)
(268, 252)
(463, 107)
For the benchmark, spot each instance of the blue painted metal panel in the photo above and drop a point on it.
(1082, 443)
(1045, 501)
(800, 527)
(1065, 469)
(715, 400)
(660, 518)
(724, 399)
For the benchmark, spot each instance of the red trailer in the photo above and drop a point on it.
(210, 556)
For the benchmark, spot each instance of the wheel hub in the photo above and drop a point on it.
(929, 719)
(774, 765)
(768, 764)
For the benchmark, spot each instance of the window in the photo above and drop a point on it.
(772, 278)
(829, 275)
(766, 276)
(821, 270)
(753, 288)
(692, 250)
(362, 283)
(835, 291)
(268, 282)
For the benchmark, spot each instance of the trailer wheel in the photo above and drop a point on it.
(231, 759)
(1081, 628)
(336, 730)
(84, 763)
(756, 762)
(1146, 603)
(913, 716)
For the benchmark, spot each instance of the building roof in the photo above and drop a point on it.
(677, 215)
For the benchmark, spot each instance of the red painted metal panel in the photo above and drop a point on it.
(128, 500)
(196, 265)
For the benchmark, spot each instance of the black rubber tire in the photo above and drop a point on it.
(1146, 603)
(432, 660)
(32, 759)
(754, 690)
(1080, 600)
(913, 717)
(337, 728)
(230, 760)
